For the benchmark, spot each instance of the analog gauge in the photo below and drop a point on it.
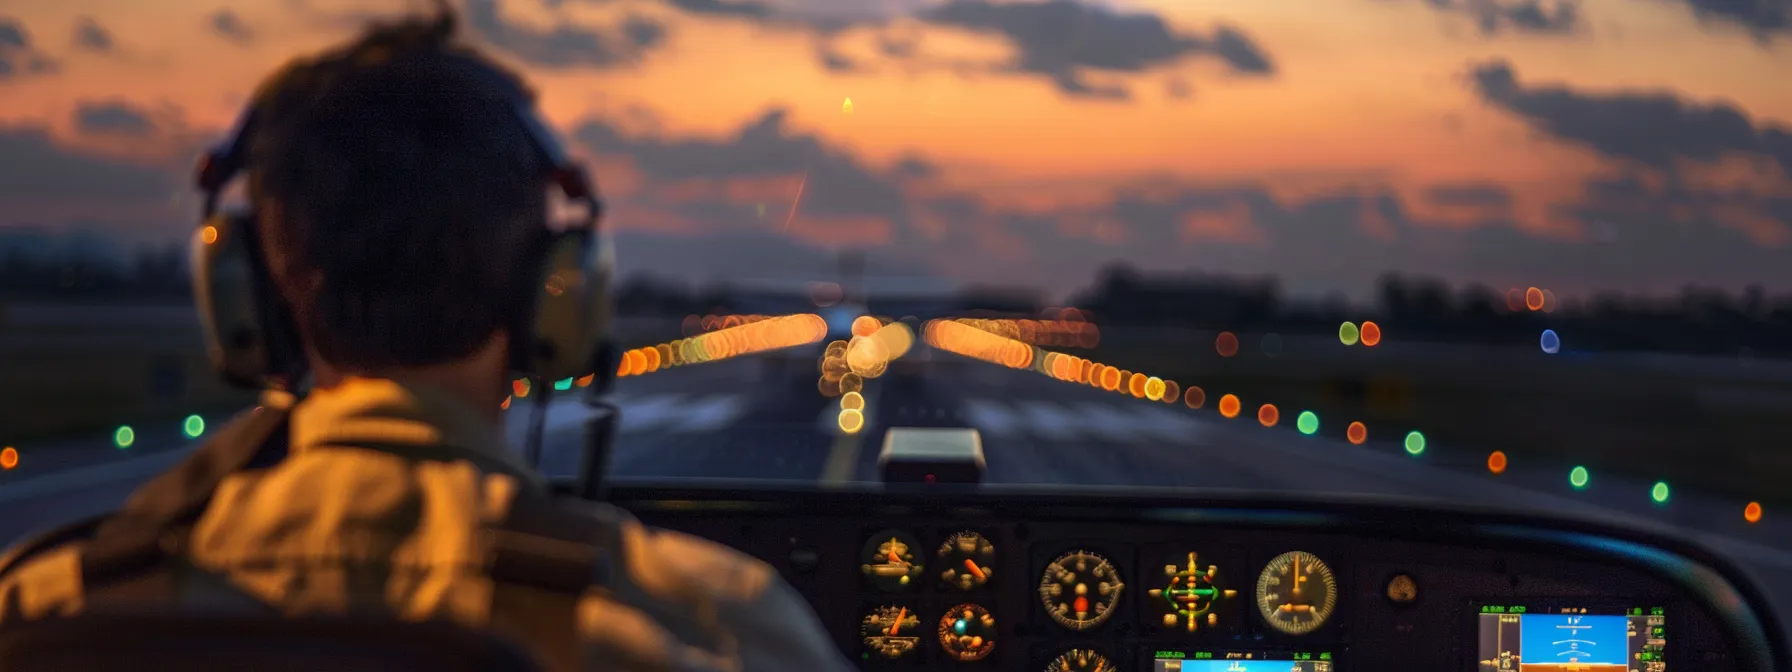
(967, 633)
(966, 558)
(1080, 660)
(891, 560)
(1296, 593)
(892, 633)
(1079, 590)
(1190, 594)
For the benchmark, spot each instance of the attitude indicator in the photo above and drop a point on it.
(1191, 595)
(1080, 660)
(890, 560)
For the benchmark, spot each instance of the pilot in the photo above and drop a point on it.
(396, 192)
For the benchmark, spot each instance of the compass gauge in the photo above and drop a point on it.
(1296, 593)
(1079, 590)
(891, 633)
(966, 561)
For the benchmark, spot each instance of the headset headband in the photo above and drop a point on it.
(225, 161)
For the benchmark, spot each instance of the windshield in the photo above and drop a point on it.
(1500, 252)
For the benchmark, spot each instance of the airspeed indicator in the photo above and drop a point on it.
(1296, 593)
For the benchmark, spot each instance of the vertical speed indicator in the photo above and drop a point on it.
(1296, 593)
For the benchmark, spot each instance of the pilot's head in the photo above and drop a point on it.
(398, 194)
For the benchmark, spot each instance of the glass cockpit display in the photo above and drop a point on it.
(1526, 638)
(1241, 661)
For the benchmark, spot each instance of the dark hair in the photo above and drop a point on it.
(399, 192)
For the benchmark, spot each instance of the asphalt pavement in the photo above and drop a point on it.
(754, 418)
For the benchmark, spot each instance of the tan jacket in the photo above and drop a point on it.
(386, 501)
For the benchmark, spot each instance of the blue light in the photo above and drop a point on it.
(1551, 342)
(958, 626)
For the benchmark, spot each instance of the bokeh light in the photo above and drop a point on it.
(1752, 512)
(1172, 392)
(193, 426)
(519, 388)
(1371, 334)
(1347, 333)
(9, 457)
(1229, 406)
(851, 421)
(1578, 477)
(1533, 299)
(1268, 415)
(1226, 344)
(1496, 462)
(124, 436)
(1659, 493)
(1415, 443)
(1154, 388)
(1307, 423)
(852, 401)
(1357, 433)
(1550, 342)
(1194, 397)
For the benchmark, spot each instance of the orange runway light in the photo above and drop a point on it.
(1229, 406)
(1371, 334)
(1496, 462)
(1752, 512)
(1357, 433)
(1226, 344)
(1194, 397)
(1268, 415)
(9, 458)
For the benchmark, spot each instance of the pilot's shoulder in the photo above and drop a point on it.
(43, 585)
(683, 566)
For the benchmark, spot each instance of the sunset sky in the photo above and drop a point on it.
(1635, 145)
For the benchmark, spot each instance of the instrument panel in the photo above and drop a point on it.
(943, 587)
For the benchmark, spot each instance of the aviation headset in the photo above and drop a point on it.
(559, 330)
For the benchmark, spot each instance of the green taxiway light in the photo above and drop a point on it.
(124, 436)
(1308, 422)
(1415, 443)
(1577, 477)
(194, 426)
(1659, 493)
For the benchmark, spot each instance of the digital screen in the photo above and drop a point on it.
(1241, 661)
(1571, 639)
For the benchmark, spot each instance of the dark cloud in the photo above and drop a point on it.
(18, 56)
(1524, 16)
(1642, 240)
(1062, 39)
(1655, 128)
(112, 117)
(228, 25)
(1763, 18)
(566, 45)
(1469, 195)
(92, 36)
(34, 169)
(752, 10)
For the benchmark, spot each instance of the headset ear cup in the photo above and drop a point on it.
(571, 307)
(225, 292)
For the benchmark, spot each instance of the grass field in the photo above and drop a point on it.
(1591, 412)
